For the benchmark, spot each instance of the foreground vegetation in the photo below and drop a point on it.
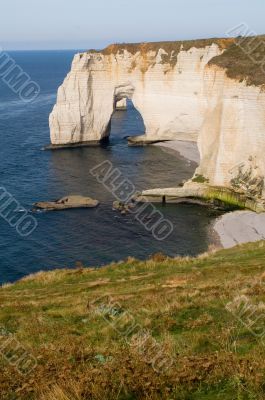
(85, 347)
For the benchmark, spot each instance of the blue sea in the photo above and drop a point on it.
(93, 237)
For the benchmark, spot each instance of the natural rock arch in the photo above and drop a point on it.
(168, 98)
(181, 94)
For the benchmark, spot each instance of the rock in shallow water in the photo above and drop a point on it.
(74, 201)
(123, 208)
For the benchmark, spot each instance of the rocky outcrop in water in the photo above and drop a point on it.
(218, 197)
(73, 201)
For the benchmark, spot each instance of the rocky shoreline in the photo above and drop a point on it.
(233, 228)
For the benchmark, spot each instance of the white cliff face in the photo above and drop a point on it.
(232, 137)
(170, 99)
(188, 100)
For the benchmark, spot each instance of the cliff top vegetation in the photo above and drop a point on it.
(172, 48)
(243, 58)
(168, 46)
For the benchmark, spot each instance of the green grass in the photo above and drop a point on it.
(200, 179)
(181, 302)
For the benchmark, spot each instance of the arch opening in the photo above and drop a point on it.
(122, 93)
(126, 122)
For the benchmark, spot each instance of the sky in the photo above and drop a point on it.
(86, 24)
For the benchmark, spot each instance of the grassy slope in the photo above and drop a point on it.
(244, 60)
(181, 301)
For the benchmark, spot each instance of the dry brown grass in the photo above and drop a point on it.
(244, 60)
(148, 50)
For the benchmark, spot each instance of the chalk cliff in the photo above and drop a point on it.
(184, 91)
(232, 137)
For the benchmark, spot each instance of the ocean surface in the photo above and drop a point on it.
(93, 237)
